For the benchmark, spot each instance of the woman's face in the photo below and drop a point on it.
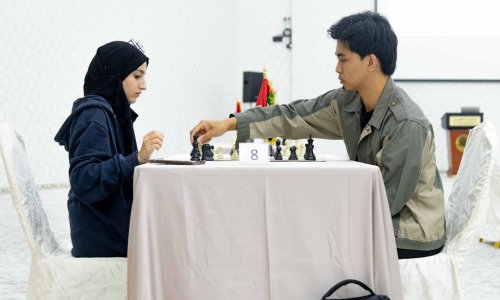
(135, 83)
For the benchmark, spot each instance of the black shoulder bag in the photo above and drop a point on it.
(372, 295)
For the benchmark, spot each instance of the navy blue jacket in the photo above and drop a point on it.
(101, 179)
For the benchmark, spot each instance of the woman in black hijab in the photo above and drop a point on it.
(100, 140)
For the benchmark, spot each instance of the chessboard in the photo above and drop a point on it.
(205, 152)
(176, 162)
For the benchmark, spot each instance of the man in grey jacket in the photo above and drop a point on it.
(377, 120)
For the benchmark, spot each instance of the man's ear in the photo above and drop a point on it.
(372, 61)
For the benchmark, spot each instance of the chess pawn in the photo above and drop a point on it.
(293, 153)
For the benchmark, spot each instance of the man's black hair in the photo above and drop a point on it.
(368, 33)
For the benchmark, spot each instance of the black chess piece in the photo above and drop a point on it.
(206, 152)
(293, 153)
(271, 150)
(309, 155)
(195, 153)
(277, 154)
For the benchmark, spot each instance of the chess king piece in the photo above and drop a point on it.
(277, 154)
(309, 150)
(195, 153)
(293, 153)
(206, 152)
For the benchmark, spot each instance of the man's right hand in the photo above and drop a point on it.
(208, 129)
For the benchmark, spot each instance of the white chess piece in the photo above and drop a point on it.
(286, 149)
(301, 150)
(234, 153)
(218, 153)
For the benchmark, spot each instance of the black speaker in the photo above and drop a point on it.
(251, 86)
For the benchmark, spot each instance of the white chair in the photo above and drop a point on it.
(437, 277)
(490, 229)
(54, 273)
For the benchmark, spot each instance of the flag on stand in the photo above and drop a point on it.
(266, 92)
(266, 97)
(238, 106)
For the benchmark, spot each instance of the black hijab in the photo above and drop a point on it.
(112, 63)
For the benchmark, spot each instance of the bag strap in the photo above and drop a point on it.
(345, 282)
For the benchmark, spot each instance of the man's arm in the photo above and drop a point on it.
(208, 129)
(317, 117)
(407, 151)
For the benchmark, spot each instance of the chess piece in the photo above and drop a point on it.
(271, 150)
(293, 153)
(309, 150)
(301, 150)
(286, 147)
(195, 153)
(234, 153)
(219, 155)
(277, 154)
(206, 152)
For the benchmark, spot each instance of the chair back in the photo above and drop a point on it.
(490, 221)
(468, 196)
(24, 193)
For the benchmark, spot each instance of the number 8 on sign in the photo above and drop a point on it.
(254, 155)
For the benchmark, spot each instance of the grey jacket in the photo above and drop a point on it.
(398, 139)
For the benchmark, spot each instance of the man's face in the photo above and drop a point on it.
(351, 68)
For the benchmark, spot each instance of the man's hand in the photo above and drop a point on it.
(206, 130)
(152, 141)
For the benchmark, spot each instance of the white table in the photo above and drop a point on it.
(287, 230)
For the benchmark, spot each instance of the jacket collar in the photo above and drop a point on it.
(386, 99)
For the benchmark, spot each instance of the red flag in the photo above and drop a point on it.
(238, 106)
(263, 93)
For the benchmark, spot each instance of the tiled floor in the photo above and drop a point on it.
(480, 278)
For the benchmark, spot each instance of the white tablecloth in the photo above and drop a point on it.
(287, 230)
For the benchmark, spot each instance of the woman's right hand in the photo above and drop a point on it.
(152, 141)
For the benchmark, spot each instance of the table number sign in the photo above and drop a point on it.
(254, 153)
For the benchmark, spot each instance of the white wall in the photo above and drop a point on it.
(313, 72)
(437, 98)
(313, 57)
(198, 51)
(445, 45)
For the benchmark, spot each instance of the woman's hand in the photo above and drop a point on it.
(152, 141)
